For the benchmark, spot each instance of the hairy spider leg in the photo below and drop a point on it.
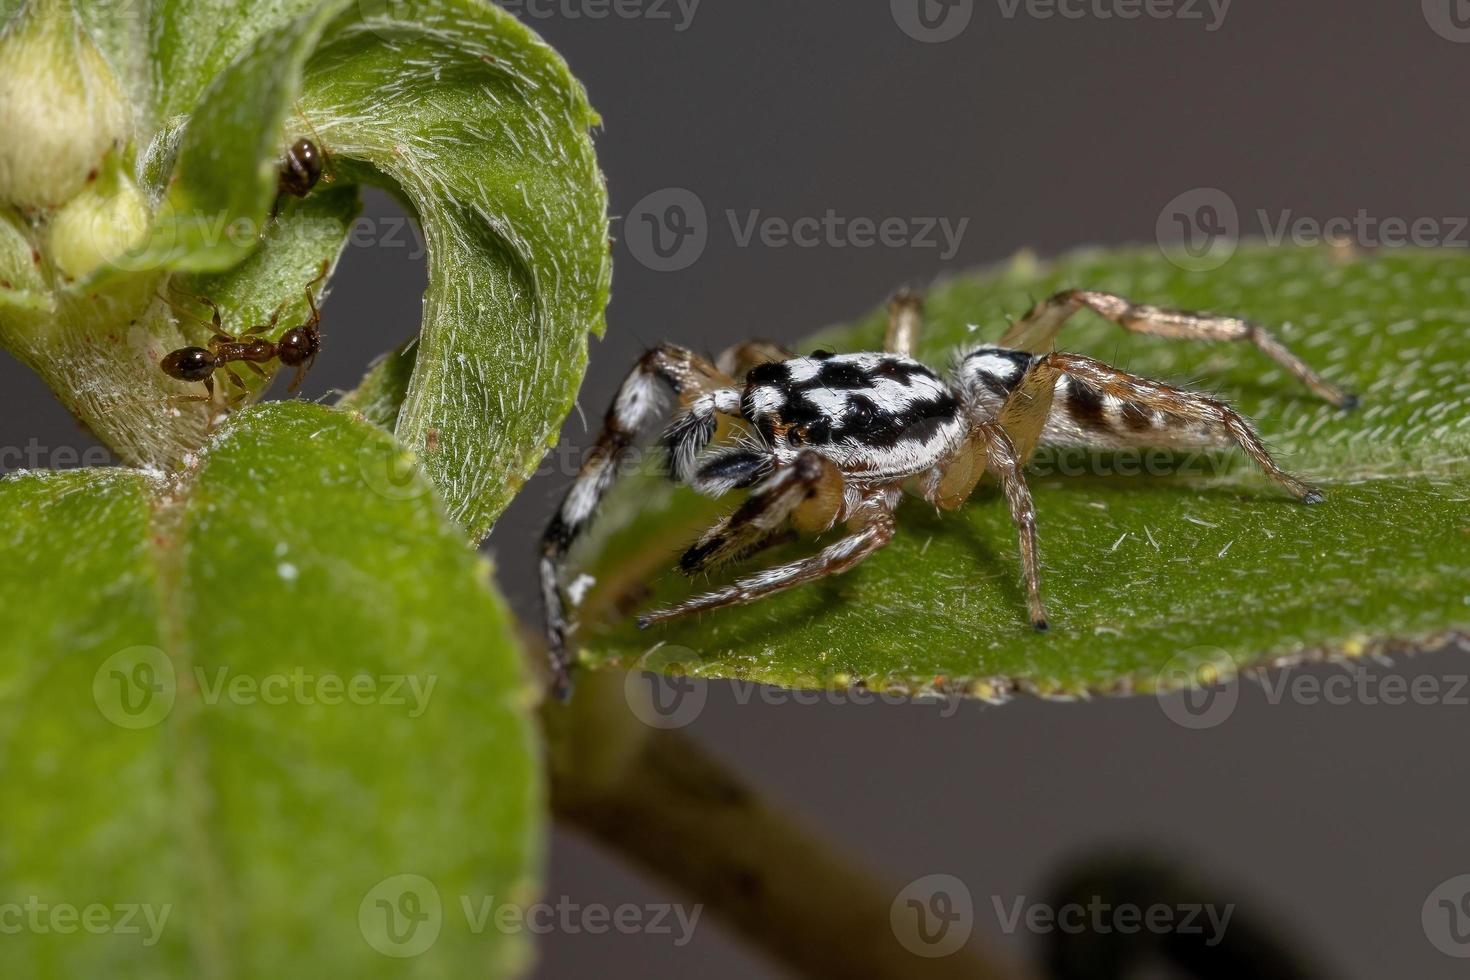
(1099, 406)
(808, 492)
(1037, 330)
(874, 529)
(637, 405)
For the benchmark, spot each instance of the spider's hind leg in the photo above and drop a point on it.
(1036, 331)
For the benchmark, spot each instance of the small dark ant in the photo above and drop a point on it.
(298, 348)
(303, 167)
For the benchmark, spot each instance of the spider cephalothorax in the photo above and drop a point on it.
(838, 438)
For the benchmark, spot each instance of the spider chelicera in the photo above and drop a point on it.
(838, 438)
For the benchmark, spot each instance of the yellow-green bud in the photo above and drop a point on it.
(101, 223)
(61, 108)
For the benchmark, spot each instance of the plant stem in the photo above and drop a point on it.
(666, 805)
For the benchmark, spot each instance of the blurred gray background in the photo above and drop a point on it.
(1047, 125)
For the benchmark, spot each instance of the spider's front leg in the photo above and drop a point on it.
(810, 493)
(1036, 331)
(703, 391)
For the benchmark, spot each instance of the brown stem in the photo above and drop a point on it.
(659, 800)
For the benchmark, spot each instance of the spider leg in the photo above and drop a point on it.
(1036, 331)
(875, 530)
(638, 404)
(808, 492)
(736, 361)
(1099, 405)
(905, 319)
(1024, 412)
(988, 447)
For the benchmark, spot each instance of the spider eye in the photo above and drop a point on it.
(859, 415)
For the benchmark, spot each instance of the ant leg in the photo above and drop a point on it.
(215, 321)
(1036, 331)
(316, 314)
(207, 397)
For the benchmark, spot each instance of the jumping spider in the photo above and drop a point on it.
(839, 437)
(298, 348)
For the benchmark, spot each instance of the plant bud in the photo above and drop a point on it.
(61, 108)
(104, 221)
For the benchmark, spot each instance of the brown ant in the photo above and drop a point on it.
(304, 165)
(298, 348)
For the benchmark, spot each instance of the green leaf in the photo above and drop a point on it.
(487, 140)
(455, 107)
(1196, 563)
(193, 41)
(229, 155)
(217, 707)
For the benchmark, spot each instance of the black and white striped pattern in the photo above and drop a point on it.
(877, 416)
